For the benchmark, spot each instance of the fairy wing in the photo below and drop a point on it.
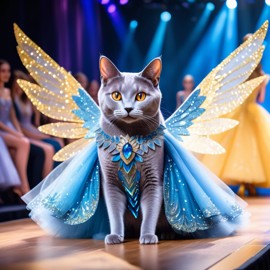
(222, 90)
(57, 95)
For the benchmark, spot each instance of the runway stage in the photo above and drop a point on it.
(23, 245)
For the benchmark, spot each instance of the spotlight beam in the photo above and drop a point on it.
(187, 49)
(264, 16)
(205, 56)
(158, 40)
(118, 23)
(231, 34)
(129, 46)
(231, 4)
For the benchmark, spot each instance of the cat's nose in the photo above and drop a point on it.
(128, 109)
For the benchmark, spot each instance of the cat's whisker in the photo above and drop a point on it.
(136, 113)
(111, 119)
(149, 121)
(151, 124)
(165, 112)
(119, 113)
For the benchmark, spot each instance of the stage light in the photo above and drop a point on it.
(133, 24)
(212, 40)
(130, 56)
(104, 2)
(156, 45)
(210, 6)
(111, 8)
(231, 4)
(123, 2)
(91, 27)
(230, 38)
(165, 16)
(265, 14)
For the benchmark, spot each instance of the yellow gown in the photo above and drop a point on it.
(247, 147)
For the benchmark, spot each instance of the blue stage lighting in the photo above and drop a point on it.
(267, 2)
(104, 2)
(123, 2)
(111, 8)
(210, 6)
(133, 24)
(231, 4)
(165, 16)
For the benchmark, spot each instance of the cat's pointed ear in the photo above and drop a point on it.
(152, 71)
(107, 69)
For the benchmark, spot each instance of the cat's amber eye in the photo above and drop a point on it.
(140, 96)
(116, 96)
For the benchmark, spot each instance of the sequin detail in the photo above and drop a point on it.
(81, 210)
(183, 118)
(127, 152)
(58, 96)
(184, 212)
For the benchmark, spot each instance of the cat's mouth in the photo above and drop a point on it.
(129, 119)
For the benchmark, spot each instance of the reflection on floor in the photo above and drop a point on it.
(23, 245)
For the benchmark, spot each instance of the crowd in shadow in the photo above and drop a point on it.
(26, 155)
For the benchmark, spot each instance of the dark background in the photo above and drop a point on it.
(76, 32)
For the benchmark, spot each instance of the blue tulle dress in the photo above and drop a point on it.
(68, 203)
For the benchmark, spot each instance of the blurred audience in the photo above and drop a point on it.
(82, 79)
(188, 86)
(9, 178)
(26, 153)
(11, 132)
(93, 90)
(25, 113)
(28, 158)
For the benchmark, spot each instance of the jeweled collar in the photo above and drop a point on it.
(140, 143)
(127, 152)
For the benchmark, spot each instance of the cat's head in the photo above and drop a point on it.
(130, 97)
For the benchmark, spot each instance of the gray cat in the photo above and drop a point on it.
(151, 184)
(130, 105)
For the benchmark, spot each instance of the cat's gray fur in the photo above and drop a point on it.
(131, 117)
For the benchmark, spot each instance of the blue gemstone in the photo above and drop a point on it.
(127, 150)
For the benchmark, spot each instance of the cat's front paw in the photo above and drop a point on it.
(148, 239)
(112, 239)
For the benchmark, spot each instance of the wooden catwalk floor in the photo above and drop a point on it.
(23, 245)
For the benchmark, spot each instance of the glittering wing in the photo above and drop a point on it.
(235, 69)
(57, 95)
(49, 103)
(224, 89)
(71, 149)
(86, 112)
(64, 130)
(56, 83)
(182, 118)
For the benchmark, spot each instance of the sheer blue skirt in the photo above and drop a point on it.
(196, 201)
(68, 203)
